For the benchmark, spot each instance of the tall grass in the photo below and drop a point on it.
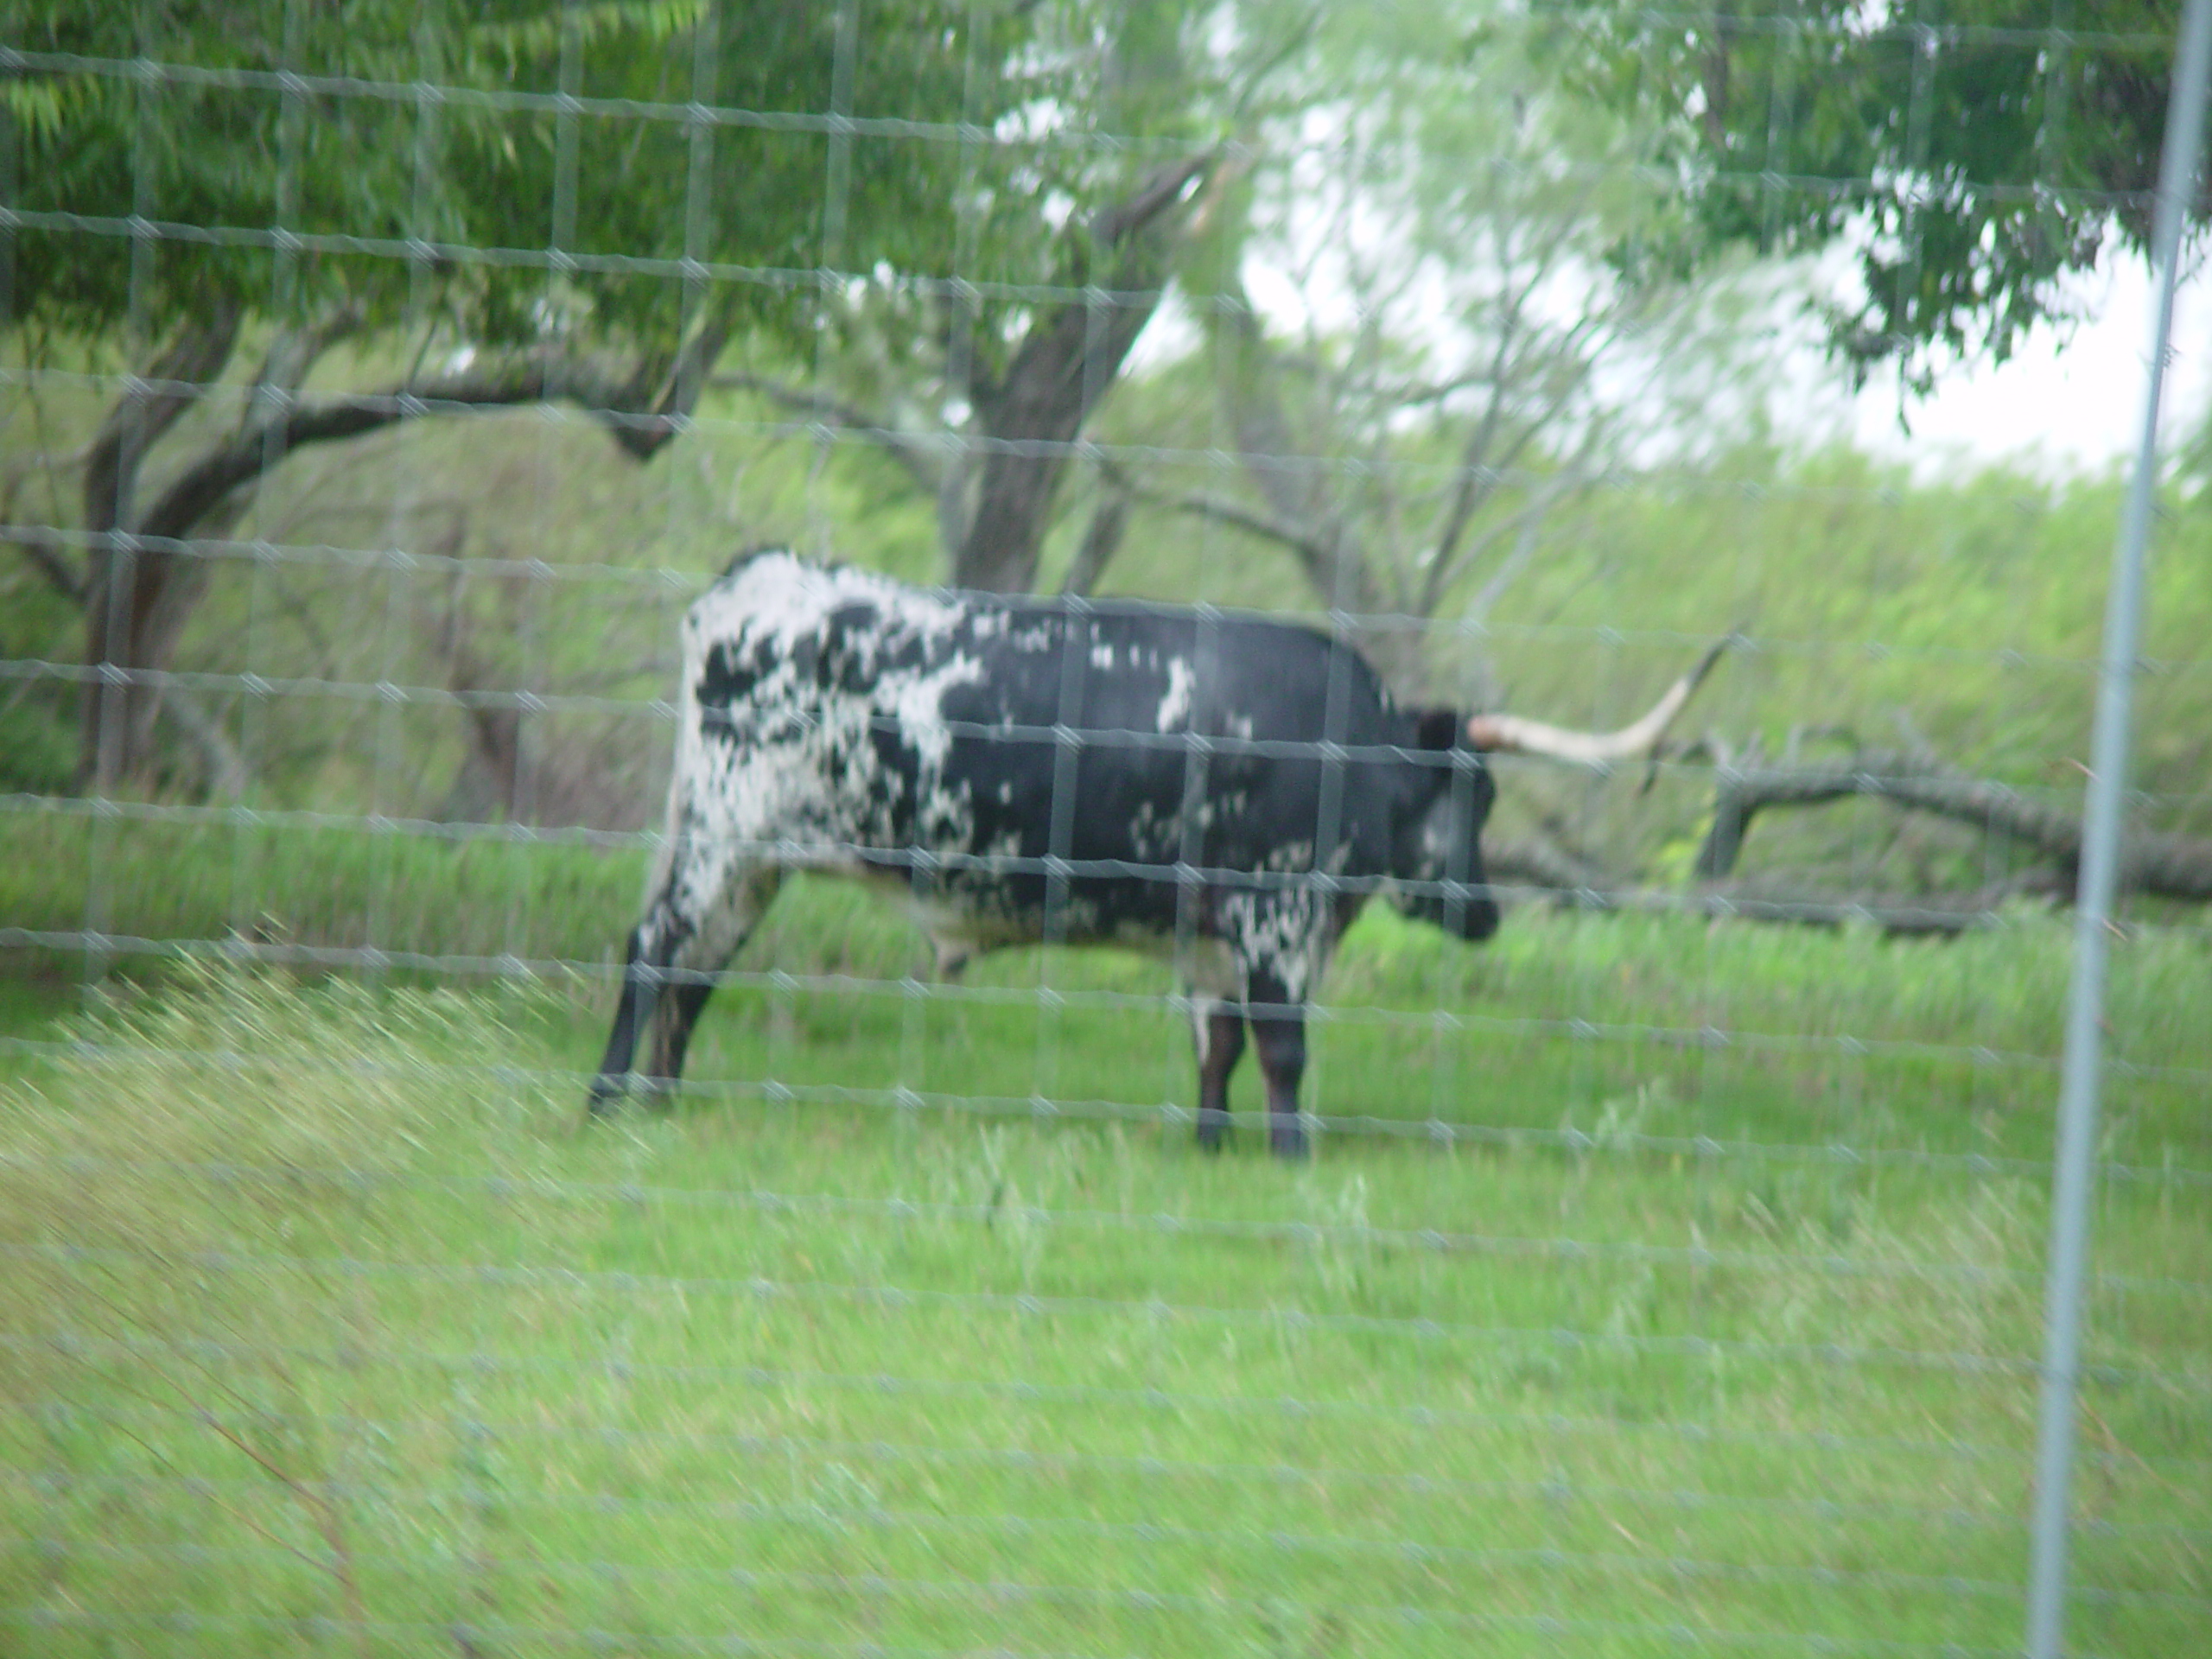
(1759, 1032)
(180, 1203)
(335, 1331)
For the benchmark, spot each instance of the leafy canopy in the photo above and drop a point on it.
(422, 130)
(1974, 152)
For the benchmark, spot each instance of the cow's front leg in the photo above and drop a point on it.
(1279, 1032)
(1217, 1028)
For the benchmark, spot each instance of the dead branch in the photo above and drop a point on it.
(2173, 866)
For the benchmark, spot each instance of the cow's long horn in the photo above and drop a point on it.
(1513, 735)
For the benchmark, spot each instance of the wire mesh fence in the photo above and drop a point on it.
(1668, 1271)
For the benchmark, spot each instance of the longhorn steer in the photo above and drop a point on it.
(1222, 790)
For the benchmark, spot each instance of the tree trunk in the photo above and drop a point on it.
(1069, 358)
(144, 583)
(124, 582)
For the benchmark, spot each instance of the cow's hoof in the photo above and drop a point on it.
(1213, 1129)
(604, 1100)
(1288, 1144)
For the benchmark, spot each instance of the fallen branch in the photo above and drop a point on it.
(2173, 866)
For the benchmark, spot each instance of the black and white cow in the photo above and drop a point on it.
(1221, 790)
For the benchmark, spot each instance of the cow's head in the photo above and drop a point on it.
(1437, 858)
(1439, 850)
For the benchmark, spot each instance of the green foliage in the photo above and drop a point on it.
(213, 141)
(1975, 166)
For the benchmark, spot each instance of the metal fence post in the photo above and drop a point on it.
(2100, 846)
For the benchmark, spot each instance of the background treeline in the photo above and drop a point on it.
(467, 341)
(1960, 614)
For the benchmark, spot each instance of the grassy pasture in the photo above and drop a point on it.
(326, 1328)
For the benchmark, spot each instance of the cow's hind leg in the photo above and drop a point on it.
(644, 962)
(664, 983)
(1279, 1033)
(707, 953)
(1217, 1028)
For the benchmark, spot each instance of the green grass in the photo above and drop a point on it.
(794, 1365)
(1733, 1031)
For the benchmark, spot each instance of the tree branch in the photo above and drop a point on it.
(50, 564)
(1315, 556)
(639, 424)
(1118, 222)
(43, 552)
(1102, 539)
(639, 427)
(292, 355)
(1262, 433)
(1475, 481)
(1337, 572)
(913, 451)
(153, 403)
(228, 773)
(137, 627)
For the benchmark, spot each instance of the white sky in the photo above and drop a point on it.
(2065, 406)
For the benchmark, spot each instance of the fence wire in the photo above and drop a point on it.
(1667, 1272)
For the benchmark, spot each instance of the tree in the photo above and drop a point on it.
(1473, 316)
(980, 388)
(1975, 154)
(525, 201)
(982, 406)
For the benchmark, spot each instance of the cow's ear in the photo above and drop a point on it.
(1435, 728)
